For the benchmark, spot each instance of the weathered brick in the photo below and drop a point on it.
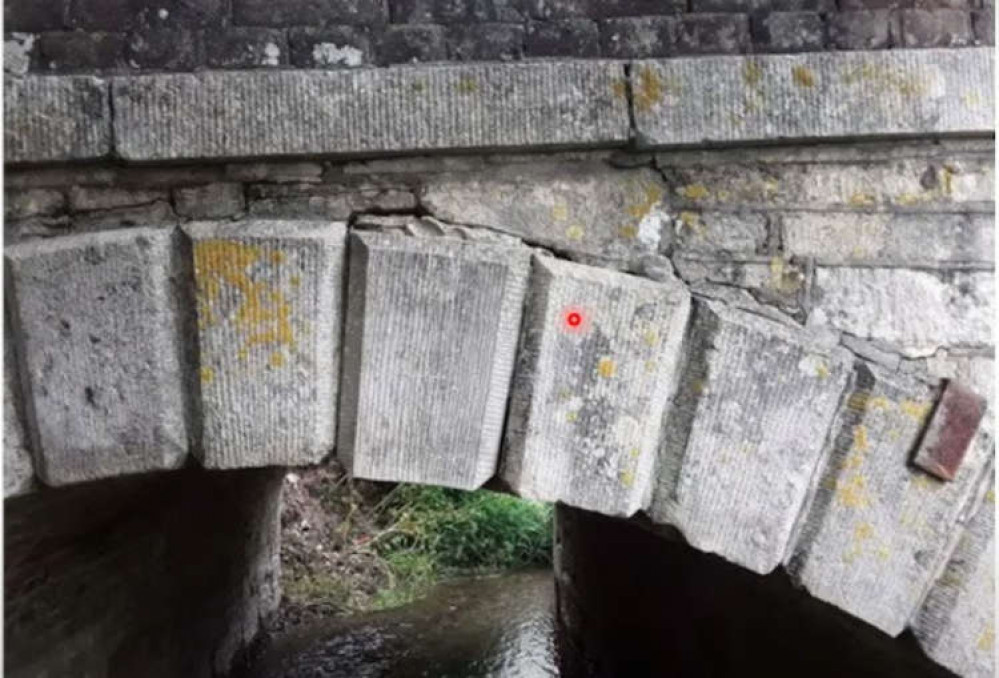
(486, 42)
(936, 28)
(944, 4)
(712, 34)
(308, 12)
(237, 47)
(789, 31)
(32, 16)
(87, 199)
(78, 52)
(152, 214)
(213, 201)
(454, 11)
(636, 8)
(18, 53)
(330, 47)
(558, 9)
(860, 30)
(411, 43)
(984, 25)
(569, 37)
(334, 201)
(638, 38)
(276, 172)
(122, 15)
(797, 5)
(722, 6)
(32, 203)
(163, 49)
(862, 5)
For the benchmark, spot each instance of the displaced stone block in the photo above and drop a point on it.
(582, 208)
(878, 528)
(429, 346)
(926, 240)
(745, 434)
(916, 311)
(18, 468)
(595, 371)
(956, 624)
(812, 96)
(771, 280)
(99, 331)
(213, 201)
(269, 321)
(257, 113)
(950, 432)
(55, 119)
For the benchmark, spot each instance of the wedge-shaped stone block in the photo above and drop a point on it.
(878, 528)
(916, 311)
(18, 469)
(99, 332)
(744, 436)
(269, 319)
(247, 113)
(595, 371)
(812, 96)
(429, 346)
(956, 623)
(53, 119)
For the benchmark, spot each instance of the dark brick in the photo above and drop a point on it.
(308, 12)
(454, 11)
(944, 4)
(984, 24)
(635, 8)
(937, 28)
(638, 38)
(712, 34)
(245, 48)
(163, 50)
(860, 30)
(486, 42)
(789, 32)
(32, 16)
(408, 43)
(797, 5)
(559, 9)
(330, 47)
(861, 5)
(722, 6)
(77, 52)
(123, 15)
(570, 37)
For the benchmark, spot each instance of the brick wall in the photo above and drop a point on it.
(81, 36)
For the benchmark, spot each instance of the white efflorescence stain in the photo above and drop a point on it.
(329, 54)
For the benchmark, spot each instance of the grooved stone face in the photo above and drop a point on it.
(18, 469)
(55, 119)
(269, 318)
(956, 624)
(429, 345)
(745, 434)
(233, 114)
(688, 101)
(878, 528)
(98, 332)
(594, 375)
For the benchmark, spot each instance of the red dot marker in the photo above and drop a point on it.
(573, 319)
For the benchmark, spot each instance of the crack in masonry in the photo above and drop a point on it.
(630, 99)
(113, 153)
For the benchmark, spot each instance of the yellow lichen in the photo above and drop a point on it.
(651, 338)
(648, 196)
(986, 641)
(620, 88)
(207, 375)
(860, 438)
(694, 191)
(915, 409)
(822, 370)
(863, 532)
(861, 199)
(692, 222)
(560, 211)
(803, 76)
(628, 232)
(752, 73)
(852, 492)
(649, 89)
(575, 232)
(606, 368)
(467, 85)
(276, 359)
(571, 416)
(627, 478)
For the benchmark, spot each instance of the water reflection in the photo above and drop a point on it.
(495, 627)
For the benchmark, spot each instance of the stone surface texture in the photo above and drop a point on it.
(98, 331)
(269, 321)
(596, 369)
(429, 344)
(18, 468)
(745, 434)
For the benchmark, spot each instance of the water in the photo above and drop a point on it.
(496, 627)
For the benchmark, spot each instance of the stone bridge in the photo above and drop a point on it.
(745, 298)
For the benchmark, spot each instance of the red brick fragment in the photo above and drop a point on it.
(950, 431)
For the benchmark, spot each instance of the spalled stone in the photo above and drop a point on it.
(275, 173)
(56, 119)
(98, 328)
(584, 207)
(269, 320)
(744, 437)
(213, 201)
(956, 624)
(18, 468)
(429, 346)
(332, 201)
(155, 213)
(774, 280)
(814, 95)
(17, 53)
(35, 202)
(741, 232)
(878, 529)
(915, 310)
(595, 371)
(87, 198)
(936, 28)
(255, 113)
(950, 431)
(330, 47)
(900, 239)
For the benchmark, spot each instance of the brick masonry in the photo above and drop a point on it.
(128, 36)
